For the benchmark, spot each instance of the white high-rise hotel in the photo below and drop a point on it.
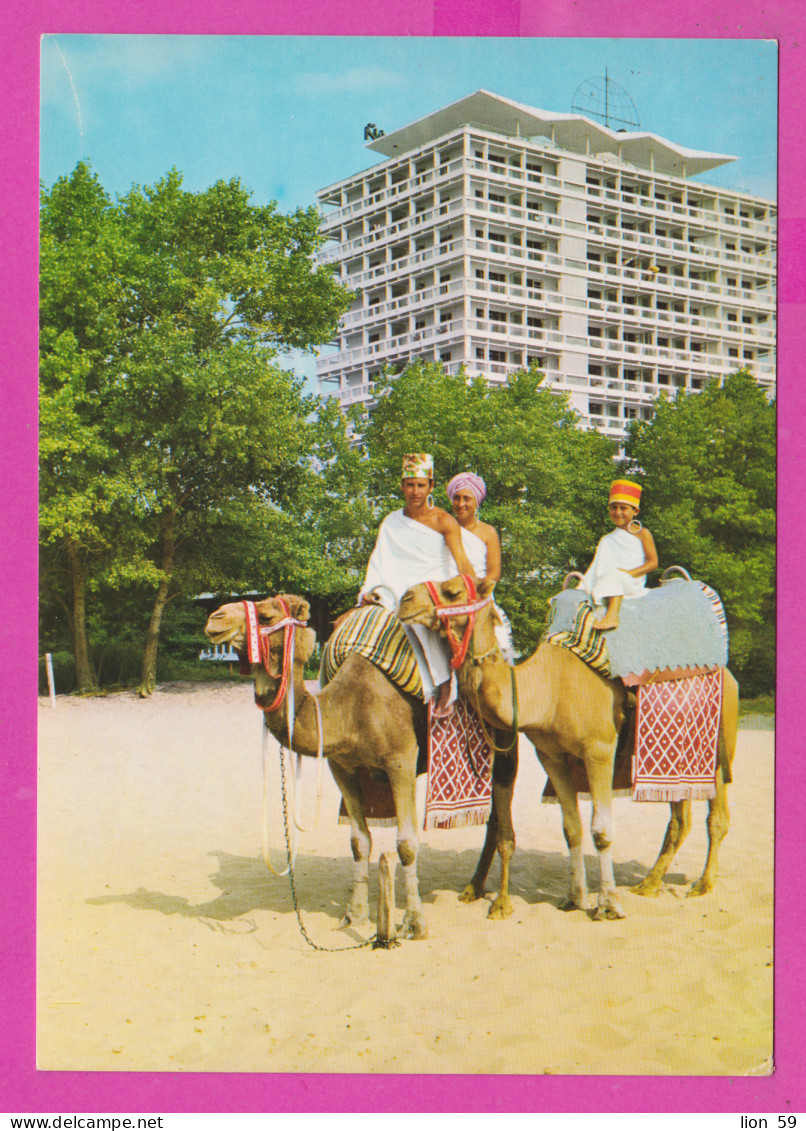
(494, 235)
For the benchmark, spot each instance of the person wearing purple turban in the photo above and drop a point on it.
(482, 545)
(466, 492)
(467, 481)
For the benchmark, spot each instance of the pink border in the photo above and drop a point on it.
(21, 1087)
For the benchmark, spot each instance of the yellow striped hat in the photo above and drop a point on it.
(623, 491)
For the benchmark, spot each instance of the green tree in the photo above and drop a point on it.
(82, 257)
(546, 478)
(162, 315)
(707, 463)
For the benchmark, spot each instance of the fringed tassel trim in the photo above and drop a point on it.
(462, 819)
(375, 822)
(674, 793)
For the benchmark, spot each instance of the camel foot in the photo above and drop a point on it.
(354, 917)
(647, 887)
(471, 893)
(385, 944)
(700, 887)
(574, 903)
(414, 926)
(608, 907)
(500, 908)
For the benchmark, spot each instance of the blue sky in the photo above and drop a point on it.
(286, 114)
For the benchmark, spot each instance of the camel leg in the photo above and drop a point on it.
(357, 911)
(599, 766)
(403, 789)
(503, 787)
(500, 834)
(718, 815)
(676, 832)
(561, 778)
(718, 822)
(475, 888)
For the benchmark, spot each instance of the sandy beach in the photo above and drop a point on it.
(165, 944)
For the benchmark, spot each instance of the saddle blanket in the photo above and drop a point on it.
(459, 783)
(460, 770)
(378, 636)
(584, 641)
(677, 625)
(379, 804)
(622, 779)
(677, 738)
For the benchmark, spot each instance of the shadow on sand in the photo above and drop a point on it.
(322, 884)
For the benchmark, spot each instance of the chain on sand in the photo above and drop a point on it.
(303, 932)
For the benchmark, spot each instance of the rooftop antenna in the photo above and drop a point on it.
(604, 99)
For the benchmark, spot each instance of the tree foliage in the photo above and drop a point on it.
(707, 461)
(162, 315)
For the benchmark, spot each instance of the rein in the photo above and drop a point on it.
(257, 637)
(515, 719)
(258, 652)
(445, 613)
(459, 648)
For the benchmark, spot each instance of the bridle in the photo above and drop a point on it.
(258, 651)
(445, 613)
(459, 648)
(258, 646)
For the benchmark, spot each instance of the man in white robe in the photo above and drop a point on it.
(409, 551)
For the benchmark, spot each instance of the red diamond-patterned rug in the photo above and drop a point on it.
(460, 761)
(677, 739)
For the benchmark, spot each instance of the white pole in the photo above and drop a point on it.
(51, 684)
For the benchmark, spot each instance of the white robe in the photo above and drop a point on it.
(616, 552)
(407, 553)
(476, 552)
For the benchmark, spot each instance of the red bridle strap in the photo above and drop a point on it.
(257, 644)
(446, 612)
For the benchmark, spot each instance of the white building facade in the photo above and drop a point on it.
(495, 235)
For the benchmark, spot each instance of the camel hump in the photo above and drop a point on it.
(680, 624)
(377, 635)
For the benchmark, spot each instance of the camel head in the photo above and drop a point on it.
(227, 625)
(416, 606)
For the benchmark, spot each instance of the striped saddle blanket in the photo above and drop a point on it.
(378, 636)
(584, 641)
(459, 789)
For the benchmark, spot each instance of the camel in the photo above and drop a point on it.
(566, 709)
(367, 722)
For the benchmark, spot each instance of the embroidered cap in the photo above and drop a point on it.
(418, 465)
(467, 481)
(623, 491)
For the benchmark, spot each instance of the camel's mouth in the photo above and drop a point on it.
(218, 633)
(414, 611)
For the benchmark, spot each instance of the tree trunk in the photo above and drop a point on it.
(148, 676)
(85, 675)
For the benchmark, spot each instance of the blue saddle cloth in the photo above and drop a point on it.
(678, 625)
